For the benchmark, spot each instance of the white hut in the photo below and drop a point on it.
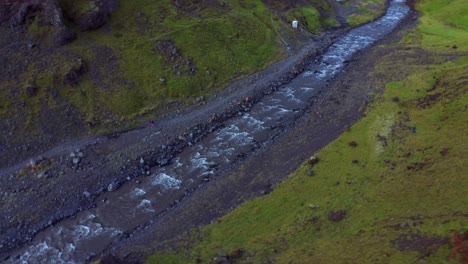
(295, 23)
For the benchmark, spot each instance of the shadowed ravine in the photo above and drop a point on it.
(135, 203)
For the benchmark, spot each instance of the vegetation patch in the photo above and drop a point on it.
(366, 11)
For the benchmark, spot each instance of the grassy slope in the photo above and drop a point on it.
(368, 11)
(418, 172)
(210, 37)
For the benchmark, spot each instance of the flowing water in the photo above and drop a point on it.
(136, 203)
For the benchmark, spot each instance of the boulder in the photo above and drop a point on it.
(63, 36)
(336, 216)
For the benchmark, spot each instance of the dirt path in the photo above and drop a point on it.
(68, 178)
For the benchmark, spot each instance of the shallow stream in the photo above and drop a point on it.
(137, 202)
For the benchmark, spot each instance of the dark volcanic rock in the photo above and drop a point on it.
(15, 12)
(32, 90)
(63, 36)
(73, 76)
(336, 216)
(97, 17)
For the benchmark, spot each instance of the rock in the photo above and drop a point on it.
(336, 183)
(163, 162)
(235, 254)
(220, 260)
(142, 161)
(404, 225)
(336, 216)
(41, 174)
(310, 172)
(76, 161)
(112, 186)
(97, 17)
(313, 160)
(32, 90)
(86, 194)
(73, 76)
(63, 36)
(355, 161)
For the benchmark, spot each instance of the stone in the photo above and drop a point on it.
(32, 90)
(112, 186)
(142, 161)
(76, 161)
(163, 162)
(404, 225)
(313, 160)
(220, 260)
(336, 216)
(86, 194)
(97, 17)
(63, 36)
(310, 172)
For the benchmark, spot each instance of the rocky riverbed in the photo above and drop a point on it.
(90, 175)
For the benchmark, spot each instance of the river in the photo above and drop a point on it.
(137, 202)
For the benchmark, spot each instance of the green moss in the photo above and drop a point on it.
(308, 17)
(367, 11)
(451, 12)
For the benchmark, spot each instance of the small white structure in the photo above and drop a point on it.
(295, 23)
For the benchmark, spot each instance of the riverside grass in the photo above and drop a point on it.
(409, 179)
